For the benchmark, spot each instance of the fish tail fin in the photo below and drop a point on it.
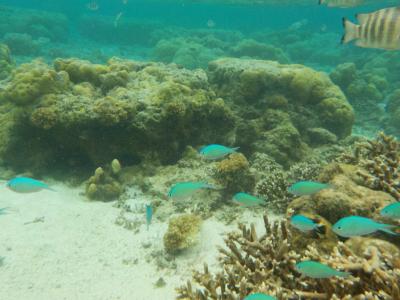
(235, 149)
(388, 229)
(343, 274)
(350, 31)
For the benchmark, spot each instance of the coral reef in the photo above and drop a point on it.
(134, 111)
(105, 185)
(346, 197)
(182, 232)
(29, 82)
(273, 180)
(282, 102)
(233, 174)
(35, 23)
(379, 160)
(253, 263)
(254, 49)
(5, 61)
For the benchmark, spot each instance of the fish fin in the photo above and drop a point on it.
(343, 274)
(350, 31)
(235, 149)
(387, 229)
(362, 18)
(51, 189)
(321, 229)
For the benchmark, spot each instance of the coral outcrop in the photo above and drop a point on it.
(105, 185)
(134, 111)
(278, 105)
(5, 61)
(265, 263)
(379, 160)
(182, 233)
(233, 174)
(346, 197)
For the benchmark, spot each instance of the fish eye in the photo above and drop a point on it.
(339, 227)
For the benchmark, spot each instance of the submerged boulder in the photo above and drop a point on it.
(278, 105)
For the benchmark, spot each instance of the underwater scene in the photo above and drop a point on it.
(200, 149)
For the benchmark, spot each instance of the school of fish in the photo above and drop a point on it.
(378, 29)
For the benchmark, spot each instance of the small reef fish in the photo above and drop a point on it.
(259, 296)
(215, 151)
(380, 29)
(357, 226)
(117, 18)
(149, 215)
(391, 211)
(3, 210)
(303, 188)
(184, 190)
(247, 199)
(305, 224)
(341, 3)
(92, 5)
(27, 185)
(317, 270)
(210, 24)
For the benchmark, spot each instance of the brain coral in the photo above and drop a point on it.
(279, 104)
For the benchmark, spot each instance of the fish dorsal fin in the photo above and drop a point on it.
(362, 18)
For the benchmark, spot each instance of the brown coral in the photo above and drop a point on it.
(380, 160)
(266, 264)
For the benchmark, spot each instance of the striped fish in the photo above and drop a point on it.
(341, 3)
(380, 29)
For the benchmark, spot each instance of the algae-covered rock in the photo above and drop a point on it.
(5, 61)
(30, 81)
(93, 113)
(104, 184)
(182, 232)
(278, 105)
(233, 174)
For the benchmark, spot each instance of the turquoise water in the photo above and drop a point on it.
(108, 105)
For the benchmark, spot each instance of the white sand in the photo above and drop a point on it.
(78, 252)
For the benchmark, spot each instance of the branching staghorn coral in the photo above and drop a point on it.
(266, 264)
(381, 160)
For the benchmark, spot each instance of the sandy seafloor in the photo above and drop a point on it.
(78, 252)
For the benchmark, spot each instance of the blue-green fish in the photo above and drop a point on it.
(247, 200)
(27, 185)
(149, 215)
(3, 210)
(391, 211)
(214, 151)
(259, 296)
(183, 190)
(304, 224)
(303, 188)
(356, 226)
(317, 270)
